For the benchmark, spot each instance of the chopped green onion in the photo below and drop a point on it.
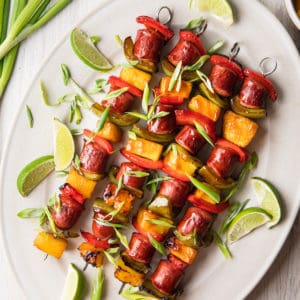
(205, 80)
(110, 259)
(106, 223)
(87, 101)
(119, 185)
(118, 40)
(113, 250)
(62, 173)
(152, 108)
(234, 210)
(44, 94)
(222, 245)
(137, 174)
(198, 64)
(145, 100)
(205, 189)
(204, 134)
(122, 238)
(77, 112)
(115, 211)
(248, 166)
(193, 24)
(174, 148)
(215, 47)
(98, 284)
(75, 131)
(95, 39)
(137, 115)
(29, 116)
(178, 82)
(175, 76)
(160, 223)
(115, 93)
(99, 86)
(50, 219)
(66, 73)
(157, 245)
(161, 114)
(103, 119)
(133, 293)
(131, 134)
(157, 180)
(77, 162)
(28, 213)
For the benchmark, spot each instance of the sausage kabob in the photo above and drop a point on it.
(127, 182)
(184, 245)
(82, 180)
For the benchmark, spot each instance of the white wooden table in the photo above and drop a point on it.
(282, 281)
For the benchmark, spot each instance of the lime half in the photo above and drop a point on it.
(88, 52)
(74, 284)
(33, 173)
(64, 147)
(268, 198)
(245, 222)
(219, 8)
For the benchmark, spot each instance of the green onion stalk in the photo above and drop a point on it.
(26, 17)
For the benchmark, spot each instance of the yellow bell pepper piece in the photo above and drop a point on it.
(205, 107)
(204, 196)
(145, 148)
(185, 253)
(87, 249)
(184, 92)
(135, 77)
(82, 185)
(54, 246)
(238, 129)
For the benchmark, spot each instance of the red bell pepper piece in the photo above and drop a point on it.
(187, 117)
(151, 23)
(166, 169)
(91, 239)
(209, 207)
(243, 154)
(230, 64)
(68, 190)
(157, 236)
(118, 82)
(142, 162)
(191, 37)
(269, 86)
(168, 99)
(105, 144)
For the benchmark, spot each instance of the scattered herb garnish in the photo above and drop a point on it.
(122, 238)
(50, 219)
(215, 47)
(119, 185)
(145, 99)
(29, 213)
(98, 284)
(103, 119)
(193, 24)
(205, 80)
(65, 73)
(106, 223)
(131, 135)
(234, 210)
(95, 39)
(198, 64)
(115, 93)
(77, 162)
(176, 74)
(204, 134)
(62, 173)
(157, 180)
(99, 86)
(248, 166)
(137, 173)
(75, 131)
(160, 223)
(29, 116)
(113, 213)
(204, 188)
(118, 40)
(222, 245)
(113, 250)
(110, 259)
(157, 245)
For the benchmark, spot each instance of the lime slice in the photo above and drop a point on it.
(74, 284)
(64, 147)
(88, 52)
(33, 173)
(268, 198)
(245, 222)
(219, 8)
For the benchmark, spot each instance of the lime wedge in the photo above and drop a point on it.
(33, 173)
(88, 52)
(245, 222)
(219, 8)
(74, 284)
(268, 198)
(64, 147)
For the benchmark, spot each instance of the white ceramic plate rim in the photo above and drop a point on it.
(262, 270)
